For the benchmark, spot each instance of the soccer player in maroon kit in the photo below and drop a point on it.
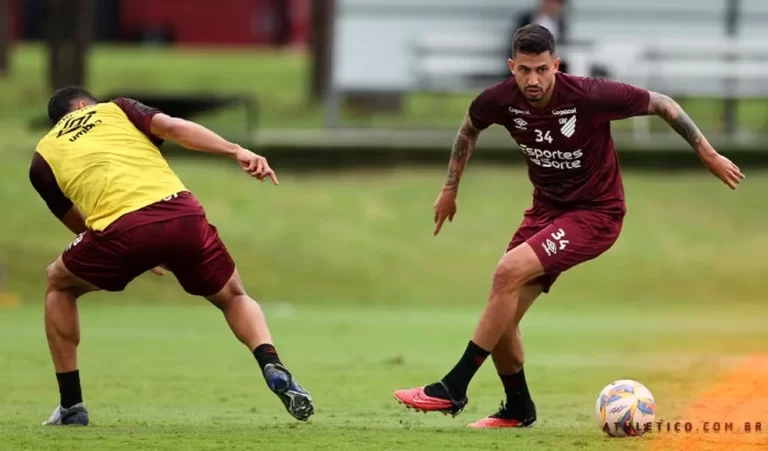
(562, 125)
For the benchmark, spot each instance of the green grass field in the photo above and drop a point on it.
(362, 300)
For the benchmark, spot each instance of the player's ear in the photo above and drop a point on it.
(511, 64)
(556, 64)
(81, 104)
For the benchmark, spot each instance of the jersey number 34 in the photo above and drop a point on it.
(542, 136)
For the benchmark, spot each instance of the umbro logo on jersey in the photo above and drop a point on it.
(520, 123)
(75, 123)
(568, 126)
(80, 124)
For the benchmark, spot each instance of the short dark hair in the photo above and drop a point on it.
(533, 39)
(62, 100)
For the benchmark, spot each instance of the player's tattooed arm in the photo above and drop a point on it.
(669, 110)
(675, 116)
(463, 146)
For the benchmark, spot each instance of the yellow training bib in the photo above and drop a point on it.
(105, 165)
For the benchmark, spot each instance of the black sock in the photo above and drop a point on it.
(265, 354)
(69, 388)
(457, 380)
(515, 387)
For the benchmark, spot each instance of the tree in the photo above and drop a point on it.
(321, 44)
(4, 36)
(70, 30)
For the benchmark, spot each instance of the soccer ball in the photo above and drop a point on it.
(625, 408)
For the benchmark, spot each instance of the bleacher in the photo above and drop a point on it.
(604, 33)
(684, 48)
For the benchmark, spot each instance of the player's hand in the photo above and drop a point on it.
(445, 207)
(724, 169)
(255, 165)
(159, 271)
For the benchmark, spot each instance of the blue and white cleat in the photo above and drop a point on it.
(297, 401)
(76, 415)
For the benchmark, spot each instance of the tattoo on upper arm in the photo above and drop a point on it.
(677, 118)
(462, 149)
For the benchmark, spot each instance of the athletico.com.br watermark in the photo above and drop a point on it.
(706, 427)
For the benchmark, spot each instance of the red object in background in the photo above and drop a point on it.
(14, 19)
(201, 22)
(224, 22)
(301, 22)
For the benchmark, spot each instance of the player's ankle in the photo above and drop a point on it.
(444, 390)
(436, 390)
(69, 388)
(515, 386)
(266, 354)
(518, 401)
(457, 380)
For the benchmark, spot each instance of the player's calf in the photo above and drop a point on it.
(247, 322)
(449, 394)
(514, 270)
(63, 335)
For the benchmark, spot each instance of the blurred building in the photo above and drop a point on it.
(193, 22)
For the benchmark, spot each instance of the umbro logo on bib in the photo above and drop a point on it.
(79, 125)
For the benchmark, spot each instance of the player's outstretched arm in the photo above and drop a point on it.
(669, 110)
(463, 145)
(194, 136)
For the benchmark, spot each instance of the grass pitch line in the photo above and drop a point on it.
(737, 406)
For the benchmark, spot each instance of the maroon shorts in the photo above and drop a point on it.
(172, 233)
(563, 239)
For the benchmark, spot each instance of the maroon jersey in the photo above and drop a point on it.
(571, 157)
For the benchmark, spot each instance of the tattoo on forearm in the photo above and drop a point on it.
(462, 150)
(677, 118)
(452, 180)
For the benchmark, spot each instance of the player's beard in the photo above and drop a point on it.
(534, 96)
(539, 93)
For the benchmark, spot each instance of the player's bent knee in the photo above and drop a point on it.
(516, 268)
(231, 291)
(58, 278)
(57, 309)
(55, 276)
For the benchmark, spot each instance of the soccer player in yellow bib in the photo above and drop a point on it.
(100, 171)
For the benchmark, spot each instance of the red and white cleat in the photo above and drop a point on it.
(508, 417)
(417, 399)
